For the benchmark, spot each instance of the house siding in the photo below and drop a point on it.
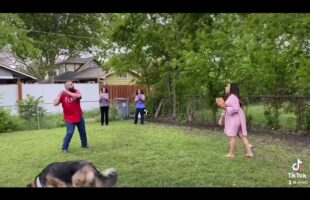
(91, 64)
(5, 74)
(116, 80)
(72, 67)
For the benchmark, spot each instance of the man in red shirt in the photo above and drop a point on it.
(73, 114)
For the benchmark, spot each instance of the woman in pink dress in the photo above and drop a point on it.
(235, 123)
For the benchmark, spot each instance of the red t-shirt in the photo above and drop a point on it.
(71, 108)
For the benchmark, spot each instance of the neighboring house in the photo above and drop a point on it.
(88, 70)
(91, 75)
(128, 78)
(9, 75)
(76, 65)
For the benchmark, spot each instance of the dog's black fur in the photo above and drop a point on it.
(74, 174)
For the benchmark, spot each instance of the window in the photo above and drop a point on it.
(62, 70)
(123, 75)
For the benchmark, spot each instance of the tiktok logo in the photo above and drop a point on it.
(296, 166)
(297, 177)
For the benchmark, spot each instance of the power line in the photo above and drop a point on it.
(62, 34)
(67, 35)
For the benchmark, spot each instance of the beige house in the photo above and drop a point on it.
(111, 78)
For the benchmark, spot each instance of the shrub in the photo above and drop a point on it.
(249, 120)
(6, 121)
(30, 108)
(132, 109)
(272, 114)
(302, 112)
(113, 115)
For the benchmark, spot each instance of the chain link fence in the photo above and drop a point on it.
(285, 114)
(40, 116)
(266, 113)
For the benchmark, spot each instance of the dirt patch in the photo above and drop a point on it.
(292, 138)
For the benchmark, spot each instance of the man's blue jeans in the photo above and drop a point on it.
(70, 130)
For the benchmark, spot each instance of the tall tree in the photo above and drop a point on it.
(200, 53)
(153, 44)
(14, 39)
(61, 35)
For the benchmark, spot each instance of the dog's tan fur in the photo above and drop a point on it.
(86, 176)
(54, 182)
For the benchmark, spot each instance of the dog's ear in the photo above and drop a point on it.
(54, 182)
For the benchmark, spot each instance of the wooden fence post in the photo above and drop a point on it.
(20, 93)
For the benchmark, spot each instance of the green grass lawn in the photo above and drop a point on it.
(154, 155)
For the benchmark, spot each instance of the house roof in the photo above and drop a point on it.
(66, 76)
(17, 73)
(111, 71)
(90, 73)
(77, 60)
(95, 72)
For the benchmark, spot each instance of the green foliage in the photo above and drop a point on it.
(306, 119)
(46, 122)
(180, 56)
(272, 115)
(6, 121)
(302, 112)
(30, 108)
(296, 114)
(10, 123)
(62, 34)
(113, 114)
(249, 120)
(14, 37)
(152, 104)
(197, 54)
(132, 109)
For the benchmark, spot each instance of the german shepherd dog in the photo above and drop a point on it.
(74, 174)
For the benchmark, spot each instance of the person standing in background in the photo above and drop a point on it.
(140, 105)
(104, 106)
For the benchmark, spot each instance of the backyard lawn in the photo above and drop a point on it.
(156, 155)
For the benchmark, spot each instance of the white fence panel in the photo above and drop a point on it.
(9, 97)
(48, 92)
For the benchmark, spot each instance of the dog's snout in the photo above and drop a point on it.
(112, 174)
